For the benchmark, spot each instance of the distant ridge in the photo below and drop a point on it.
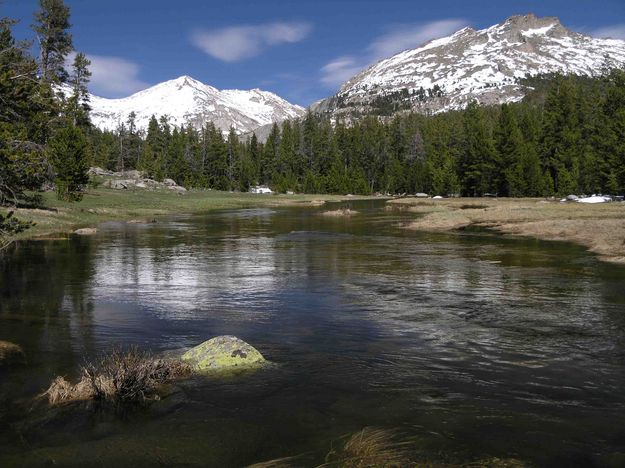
(485, 65)
(187, 101)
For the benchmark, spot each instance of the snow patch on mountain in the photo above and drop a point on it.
(485, 65)
(186, 101)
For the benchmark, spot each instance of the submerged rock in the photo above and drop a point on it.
(347, 212)
(10, 353)
(86, 231)
(224, 353)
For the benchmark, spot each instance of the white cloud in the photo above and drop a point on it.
(615, 31)
(240, 42)
(112, 76)
(409, 36)
(339, 70)
(397, 39)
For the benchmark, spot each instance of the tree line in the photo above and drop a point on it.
(567, 136)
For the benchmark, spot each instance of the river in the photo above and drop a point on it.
(471, 345)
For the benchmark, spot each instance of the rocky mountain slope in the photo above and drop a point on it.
(188, 101)
(485, 65)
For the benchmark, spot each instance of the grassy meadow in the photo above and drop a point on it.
(599, 227)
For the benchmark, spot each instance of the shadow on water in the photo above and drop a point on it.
(475, 346)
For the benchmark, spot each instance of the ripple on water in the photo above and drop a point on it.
(480, 346)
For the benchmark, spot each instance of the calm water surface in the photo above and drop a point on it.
(471, 345)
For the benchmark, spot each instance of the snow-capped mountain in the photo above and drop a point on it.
(188, 101)
(484, 65)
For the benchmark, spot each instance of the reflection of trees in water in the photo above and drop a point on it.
(45, 297)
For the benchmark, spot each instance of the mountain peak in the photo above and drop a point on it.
(530, 21)
(186, 80)
(187, 101)
(485, 65)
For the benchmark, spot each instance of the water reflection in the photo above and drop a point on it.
(478, 346)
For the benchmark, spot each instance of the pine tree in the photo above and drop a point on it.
(132, 142)
(68, 153)
(217, 164)
(307, 145)
(269, 156)
(479, 163)
(254, 150)
(286, 164)
(561, 133)
(247, 175)
(121, 149)
(374, 152)
(164, 139)
(510, 146)
(23, 120)
(614, 133)
(234, 159)
(148, 160)
(55, 42)
(176, 166)
(78, 102)
(530, 165)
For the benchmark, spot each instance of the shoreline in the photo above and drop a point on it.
(58, 220)
(600, 228)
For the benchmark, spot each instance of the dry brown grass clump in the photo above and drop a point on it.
(285, 462)
(61, 391)
(381, 448)
(10, 353)
(370, 447)
(119, 377)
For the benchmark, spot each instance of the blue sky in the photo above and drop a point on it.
(299, 49)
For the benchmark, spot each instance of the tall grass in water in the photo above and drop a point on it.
(119, 377)
(370, 447)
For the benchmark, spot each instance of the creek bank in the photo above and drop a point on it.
(598, 227)
(101, 204)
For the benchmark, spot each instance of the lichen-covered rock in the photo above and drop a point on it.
(224, 353)
(10, 353)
